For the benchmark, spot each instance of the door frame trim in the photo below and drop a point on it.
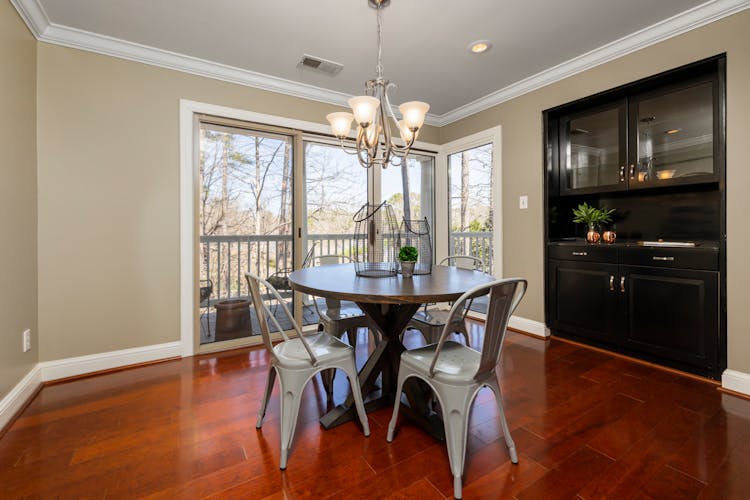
(492, 136)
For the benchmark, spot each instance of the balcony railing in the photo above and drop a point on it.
(476, 244)
(225, 259)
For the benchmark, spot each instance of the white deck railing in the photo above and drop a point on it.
(473, 243)
(225, 259)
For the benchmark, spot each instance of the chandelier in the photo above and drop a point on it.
(375, 144)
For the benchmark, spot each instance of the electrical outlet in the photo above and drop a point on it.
(523, 202)
(26, 340)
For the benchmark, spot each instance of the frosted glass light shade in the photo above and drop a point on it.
(406, 134)
(414, 113)
(364, 108)
(341, 123)
(370, 134)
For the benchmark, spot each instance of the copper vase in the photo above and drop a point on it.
(592, 236)
(609, 237)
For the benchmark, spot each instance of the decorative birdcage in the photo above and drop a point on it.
(416, 233)
(375, 241)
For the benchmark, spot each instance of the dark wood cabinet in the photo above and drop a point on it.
(673, 314)
(593, 154)
(584, 298)
(666, 314)
(661, 133)
(653, 150)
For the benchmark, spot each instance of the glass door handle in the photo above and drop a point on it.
(611, 283)
(632, 170)
(622, 173)
(622, 284)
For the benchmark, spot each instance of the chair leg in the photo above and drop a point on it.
(351, 371)
(292, 384)
(270, 379)
(504, 423)
(456, 403)
(399, 388)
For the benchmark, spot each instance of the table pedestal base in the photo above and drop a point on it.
(390, 320)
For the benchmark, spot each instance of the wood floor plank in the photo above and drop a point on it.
(585, 424)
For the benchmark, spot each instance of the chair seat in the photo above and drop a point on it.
(432, 317)
(348, 310)
(457, 363)
(292, 354)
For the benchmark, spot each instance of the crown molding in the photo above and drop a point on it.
(685, 21)
(33, 14)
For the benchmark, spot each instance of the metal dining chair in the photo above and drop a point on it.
(338, 317)
(296, 361)
(456, 372)
(431, 320)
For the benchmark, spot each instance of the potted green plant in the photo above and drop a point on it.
(408, 257)
(592, 217)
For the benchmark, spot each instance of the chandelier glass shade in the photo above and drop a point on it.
(374, 117)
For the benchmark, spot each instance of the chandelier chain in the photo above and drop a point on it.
(379, 68)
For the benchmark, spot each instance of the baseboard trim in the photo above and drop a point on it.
(18, 397)
(81, 365)
(536, 328)
(522, 325)
(736, 381)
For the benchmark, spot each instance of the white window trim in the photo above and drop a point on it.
(189, 183)
(494, 136)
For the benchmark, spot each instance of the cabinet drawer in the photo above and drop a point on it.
(678, 258)
(587, 253)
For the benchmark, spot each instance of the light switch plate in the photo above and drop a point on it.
(26, 340)
(523, 202)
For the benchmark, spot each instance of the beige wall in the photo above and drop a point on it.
(521, 121)
(18, 296)
(108, 195)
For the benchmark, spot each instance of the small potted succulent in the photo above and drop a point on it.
(592, 217)
(408, 257)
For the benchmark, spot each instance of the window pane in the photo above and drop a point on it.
(470, 203)
(335, 189)
(418, 180)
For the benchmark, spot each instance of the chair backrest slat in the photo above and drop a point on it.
(253, 283)
(504, 297)
(464, 262)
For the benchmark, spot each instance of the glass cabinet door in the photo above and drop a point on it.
(593, 150)
(674, 136)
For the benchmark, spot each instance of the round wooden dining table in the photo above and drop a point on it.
(390, 303)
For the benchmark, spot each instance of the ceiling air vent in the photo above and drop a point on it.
(320, 65)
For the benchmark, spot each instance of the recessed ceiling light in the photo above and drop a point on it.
(479, 46)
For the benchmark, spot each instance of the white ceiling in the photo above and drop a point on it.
(425, 41)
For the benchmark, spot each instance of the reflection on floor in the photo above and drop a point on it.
(586, 424)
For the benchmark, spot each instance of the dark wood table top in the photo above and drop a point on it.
(339, 281)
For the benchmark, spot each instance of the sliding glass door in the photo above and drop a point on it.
(266, 198)
(245, 224)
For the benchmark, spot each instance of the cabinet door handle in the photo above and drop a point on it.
(622, 173)
(612, 283)
(632, 170)
(667, 259)
(622, 284)
(580, 254)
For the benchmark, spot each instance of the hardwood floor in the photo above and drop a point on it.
(586, 424)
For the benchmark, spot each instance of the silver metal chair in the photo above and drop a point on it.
(430, 321)
(338, 317)
(296, 361)
(456, 372)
